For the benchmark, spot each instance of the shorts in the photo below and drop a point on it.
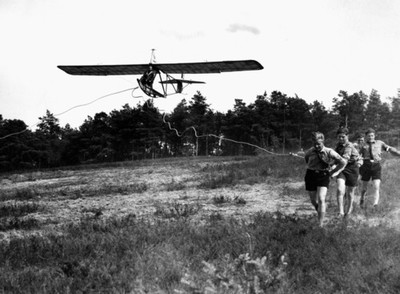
(315, 178)
(350, 175)
(370, 170)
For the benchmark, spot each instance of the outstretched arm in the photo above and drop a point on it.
(394, 151)
(296, 155)
(337, 170)
(339, 167)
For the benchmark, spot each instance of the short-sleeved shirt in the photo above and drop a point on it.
(376, 146)
(349, 152)
(321, 160)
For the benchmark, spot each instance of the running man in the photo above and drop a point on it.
(371, 169)
(319, 159)
(347, 179)
(360, 142)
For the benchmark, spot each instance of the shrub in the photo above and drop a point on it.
(15, 223)
(19, 194)
(177, 210)
(18, 209)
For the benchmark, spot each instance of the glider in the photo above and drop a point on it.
(150, 71)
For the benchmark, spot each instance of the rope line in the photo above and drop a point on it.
(221, 137)
(17, 133)
(99, 98)
(76, 106)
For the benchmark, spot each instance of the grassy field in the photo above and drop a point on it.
(191, 225)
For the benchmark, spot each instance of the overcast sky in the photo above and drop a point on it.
(310, 48)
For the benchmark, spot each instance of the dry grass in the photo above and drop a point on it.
(198, 225)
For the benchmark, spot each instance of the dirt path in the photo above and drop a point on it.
(111, 192)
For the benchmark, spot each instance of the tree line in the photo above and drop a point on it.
(276, 122)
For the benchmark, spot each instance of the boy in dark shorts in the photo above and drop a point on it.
(371, 169)
(319, 159)
(347, 180)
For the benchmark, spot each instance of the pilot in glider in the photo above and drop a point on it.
(151, 70)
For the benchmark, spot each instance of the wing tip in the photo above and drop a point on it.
(64, 68)
(257, 65)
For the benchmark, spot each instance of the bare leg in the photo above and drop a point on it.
(321, 195)
(350, 199)
(376, 185)
(364, 188)
(313, 198)
(341, 190)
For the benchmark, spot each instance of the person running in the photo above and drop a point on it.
(319, 159)
(371, 168)
(347, 179)
(360, 142)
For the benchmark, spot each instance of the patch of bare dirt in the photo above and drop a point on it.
(66, 198)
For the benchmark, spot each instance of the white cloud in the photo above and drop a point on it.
(234, 28)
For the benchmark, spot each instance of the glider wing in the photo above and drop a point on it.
(171, 68)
